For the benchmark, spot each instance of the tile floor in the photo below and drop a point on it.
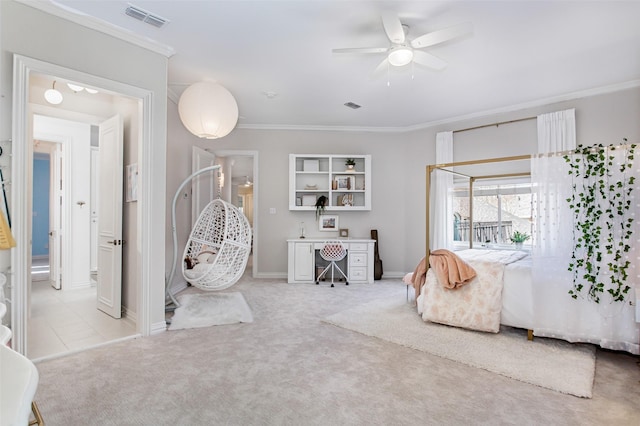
(64, 321)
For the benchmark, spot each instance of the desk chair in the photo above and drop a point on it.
(333, 251)
(18, 384)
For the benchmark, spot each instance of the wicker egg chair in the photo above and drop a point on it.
(218, 248)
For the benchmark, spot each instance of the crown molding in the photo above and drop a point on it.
(422, 126)
(56, 9)
(533, 104)
(320, 128)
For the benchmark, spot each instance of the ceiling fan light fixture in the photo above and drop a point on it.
(400, 56)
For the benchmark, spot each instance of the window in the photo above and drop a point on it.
(499, 209)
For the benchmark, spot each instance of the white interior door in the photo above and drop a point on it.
(110, 241)
(55, 216)
(203, 187)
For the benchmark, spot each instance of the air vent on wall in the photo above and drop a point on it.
(352, 105)
(144, 16)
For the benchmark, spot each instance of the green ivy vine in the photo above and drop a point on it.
(602, 229)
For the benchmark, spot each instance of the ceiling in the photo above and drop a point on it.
(520, 53)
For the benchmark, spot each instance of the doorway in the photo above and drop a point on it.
(141, 250)
(67, 319)
(65, 242)
(241, 189)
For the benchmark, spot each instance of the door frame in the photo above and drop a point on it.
(22, 68)
(256, 190)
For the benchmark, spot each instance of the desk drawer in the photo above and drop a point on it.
(357, 274)
(357, 259)
(357, 247)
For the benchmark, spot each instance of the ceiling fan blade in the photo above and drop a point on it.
(383, 66)
(428, 60)
(393, 27)
(440, 36)
(361, 50)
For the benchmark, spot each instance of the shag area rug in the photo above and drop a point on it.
(549, 363)
(205, 310)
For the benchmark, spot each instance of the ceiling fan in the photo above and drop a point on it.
(402, 51)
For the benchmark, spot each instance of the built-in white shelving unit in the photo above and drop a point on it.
(312, 176)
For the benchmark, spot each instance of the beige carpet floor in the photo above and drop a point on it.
(289, 367)
(550, 363)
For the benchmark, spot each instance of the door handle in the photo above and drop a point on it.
(117, 242)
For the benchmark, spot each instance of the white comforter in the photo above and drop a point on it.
(477, 305)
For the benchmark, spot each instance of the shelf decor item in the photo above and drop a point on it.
(320, 205)
(351, 165)
(310, 165)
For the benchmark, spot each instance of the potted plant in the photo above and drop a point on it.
(518, 238)
(321, 203)
(350, 163)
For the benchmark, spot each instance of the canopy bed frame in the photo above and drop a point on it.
(472, 179)
(514, 302)
(513, 312)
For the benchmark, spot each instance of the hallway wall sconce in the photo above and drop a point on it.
(53, 96)
(208, 110)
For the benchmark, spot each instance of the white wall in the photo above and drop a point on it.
(32, 33)
(399, 162)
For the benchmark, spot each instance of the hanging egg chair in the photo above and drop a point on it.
(218, 248)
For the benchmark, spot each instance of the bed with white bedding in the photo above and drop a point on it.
(501, 293)
(507, 277)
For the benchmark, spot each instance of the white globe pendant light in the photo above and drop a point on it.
(208, 110)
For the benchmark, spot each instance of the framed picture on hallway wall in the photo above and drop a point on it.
(131, 183)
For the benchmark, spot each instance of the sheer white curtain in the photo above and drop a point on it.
(609, 324)
(441, 184)
(557, 131)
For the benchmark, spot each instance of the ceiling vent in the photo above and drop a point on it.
(352, 105)
(144, 16)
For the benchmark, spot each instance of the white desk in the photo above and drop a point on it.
(302, 259)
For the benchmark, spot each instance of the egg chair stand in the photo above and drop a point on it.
(218, 248)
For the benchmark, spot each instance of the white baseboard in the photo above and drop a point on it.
(158, 327)
(178, 287)
(129, 315)
(272, 275)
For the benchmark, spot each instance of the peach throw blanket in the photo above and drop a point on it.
(450, 270)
